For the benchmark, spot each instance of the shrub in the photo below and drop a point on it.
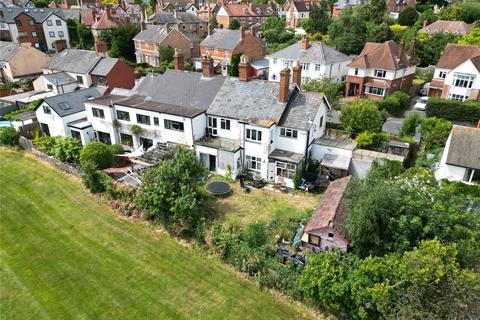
(117, 149)
(46, 144)
(95, 180)
(410, 124)
(9, 136)
(67, 149)
(98, 154)
(395, 104)
(372, 141)
(255, 235)
(362, 115)
(435, 132)
(453, 110)
(408, 17)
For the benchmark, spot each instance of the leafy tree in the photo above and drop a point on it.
(410, 123)
(72, 26)
(348, 33)
(8, 136)
(275, 35)
(166, 53)
(98, 154)
(319, 19)
(170, 192)
(94, 179)
(374, 10)
(379, 32)
(330, 88)
(120, 42)
(429, 49)
(362, 115)
(85, 37)
(255, 235)
(234, 25)
(116, 150)
(472, 38)
(435, 132)
(408, 16)
(233, 66)
(398, 31)
(42, 4)
(468, 12)
(67, 149)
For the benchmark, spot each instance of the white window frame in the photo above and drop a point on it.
(287, 170)
(318, 67)
(274, 61)
(305, 66)
(457, 97)
(379, 73)
(253, 135)
(224, 124)
(289, 133)
(442, 74)
(212, 126)
(49, 23)
(376, 91)
(463, 80)
(254, 163)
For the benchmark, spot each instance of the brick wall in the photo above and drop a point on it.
(251, 47)
(25, 30)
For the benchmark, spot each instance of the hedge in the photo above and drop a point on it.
(8, 136)
(97, 154)
(395, 103)
(468, 111)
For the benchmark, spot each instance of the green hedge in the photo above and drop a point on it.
(468, 111)
(395, 104)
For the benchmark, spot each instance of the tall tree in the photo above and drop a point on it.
(120, 41)
(375, 10)
(348, 33)
(319, 19)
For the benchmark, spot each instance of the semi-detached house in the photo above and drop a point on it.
(232, 123)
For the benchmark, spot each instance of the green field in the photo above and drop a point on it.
(64, 255)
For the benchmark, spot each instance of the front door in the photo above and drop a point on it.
(146, 143)
(353, 91)
(45, 129)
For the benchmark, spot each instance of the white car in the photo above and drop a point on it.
(421, 104)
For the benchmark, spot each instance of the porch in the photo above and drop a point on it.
(220, 155)
(282, 166)
(82, 130)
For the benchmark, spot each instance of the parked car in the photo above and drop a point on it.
(424, 90)
(421, 104)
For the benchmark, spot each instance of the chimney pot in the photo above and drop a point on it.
(244, 68)
(284, 85)
(305, 43)
(297, 74)
(178, 60)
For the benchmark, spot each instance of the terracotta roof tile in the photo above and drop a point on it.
(245, 10)
(382, 56)
(106, 21)
(459, 27)
(456, 54)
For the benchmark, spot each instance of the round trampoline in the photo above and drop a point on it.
(219, 188)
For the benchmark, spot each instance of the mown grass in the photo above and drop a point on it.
(65, 255)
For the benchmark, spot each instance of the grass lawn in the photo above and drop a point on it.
(264, 205)
(65, 255)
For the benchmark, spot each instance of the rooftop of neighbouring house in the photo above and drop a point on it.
(224, 39)
(339, 143)
(457, 27)
(464, 148)
(107, 21)
(181, 88)
(104, 66)
(455, 54)
(318, 52)
(174, 18)
(73, 60)
(8, 50)
(330, 212)
(387, 56)
(59, 78)
(73, 102)
(248, 9)
(38, 14)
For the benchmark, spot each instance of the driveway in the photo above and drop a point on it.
(393, 124)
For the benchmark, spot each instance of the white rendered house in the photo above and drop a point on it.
(55, 28)
(316, 59)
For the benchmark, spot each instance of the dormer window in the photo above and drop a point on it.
(442, 74)
(380, 73)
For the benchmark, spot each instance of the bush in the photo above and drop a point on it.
(9, 136)
(255, 235)
(410, 124)
(372, 141)
(67, 149)
(116, 149)
(46, 144)
(435, 132)
(395, 103)
(362, 115)
(98, 154)
(95, 180)
(468, 111)
(408, 17)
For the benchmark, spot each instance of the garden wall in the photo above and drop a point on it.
(68, 168)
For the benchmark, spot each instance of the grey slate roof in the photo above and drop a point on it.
(104, 66)
(8, 50)
(181, 88)
(318, 52)
(38, 14)
(301, 110)
(73, 60)
(152, 33)
(169, 17)
(59, 78)
(254, 102)
(464, 150)
(223, 39)
(73, 102)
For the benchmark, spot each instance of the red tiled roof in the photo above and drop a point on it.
(382, 56)
(459, 27)
(247, 10)
(327, 210)
(399, 5)
(86, 16)
(456, 54)
(377, 83)
(106, 21)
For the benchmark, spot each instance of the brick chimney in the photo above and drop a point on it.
(244, 68)
(101, 48)
(400, 50)
(297, 74)
(242, 33)
(305, 43)
(207, 66)
(284, 84)
(178, 60)
(412, 49)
